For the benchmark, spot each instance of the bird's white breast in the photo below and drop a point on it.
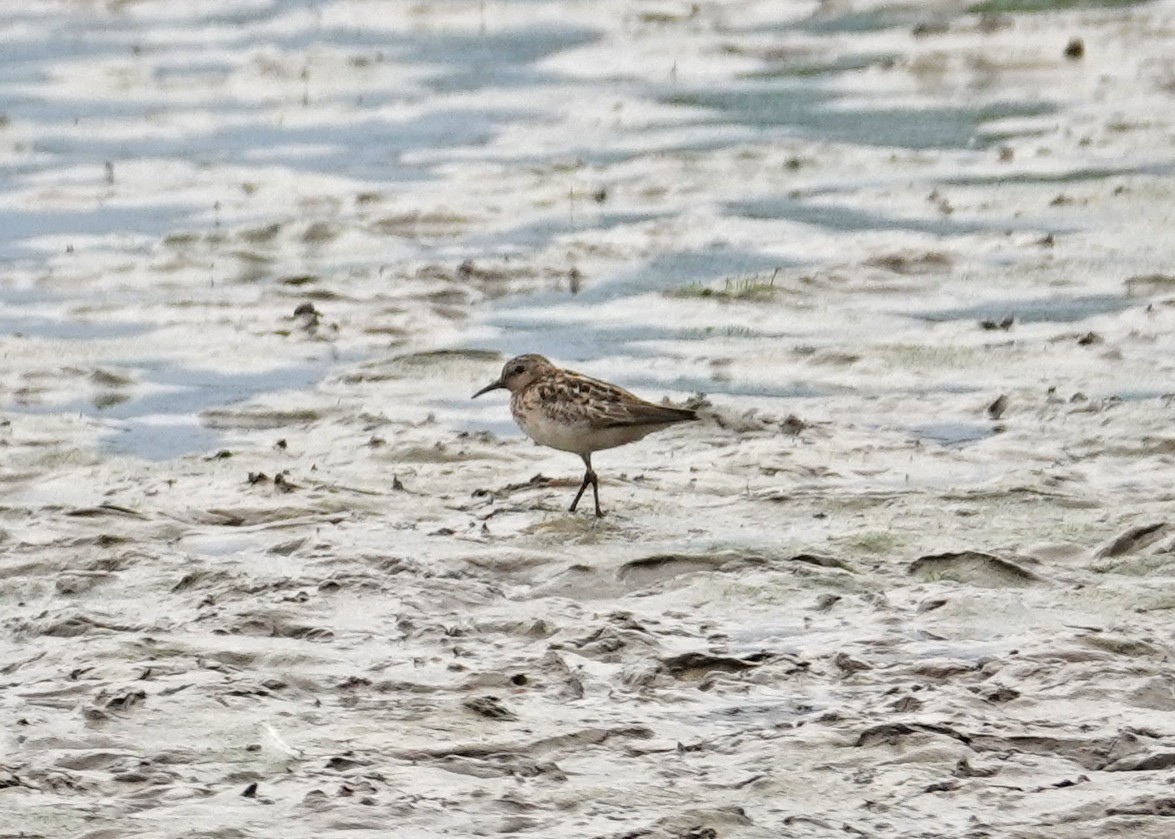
(547, 431)
(578, 436)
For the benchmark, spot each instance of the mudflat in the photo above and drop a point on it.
(264, 567)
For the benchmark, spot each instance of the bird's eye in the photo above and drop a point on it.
(517, 370)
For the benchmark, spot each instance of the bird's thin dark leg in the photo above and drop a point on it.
(579, 494)
(596, 493)
(589, 477)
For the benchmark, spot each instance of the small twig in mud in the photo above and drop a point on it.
(539, 480)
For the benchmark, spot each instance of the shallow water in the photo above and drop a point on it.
(265, 567)
(1055, 310)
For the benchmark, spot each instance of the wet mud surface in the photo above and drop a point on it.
(265, 567)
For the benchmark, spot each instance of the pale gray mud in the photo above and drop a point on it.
(266, 571)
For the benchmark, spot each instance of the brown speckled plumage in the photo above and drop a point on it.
(575, 413)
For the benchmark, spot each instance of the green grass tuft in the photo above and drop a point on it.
(748, 287)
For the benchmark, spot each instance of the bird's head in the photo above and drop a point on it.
(518, 373)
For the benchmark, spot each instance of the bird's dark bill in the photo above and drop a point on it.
(488, 388)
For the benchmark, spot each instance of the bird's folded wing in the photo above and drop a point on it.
(602, 405)
(646, 414)
(613, 407)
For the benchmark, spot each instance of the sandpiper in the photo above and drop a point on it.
(574, 413)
